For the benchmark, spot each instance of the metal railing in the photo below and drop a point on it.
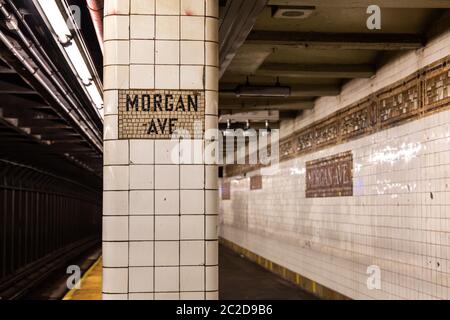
(42, 214)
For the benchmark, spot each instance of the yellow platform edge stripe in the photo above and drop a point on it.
(70, 294)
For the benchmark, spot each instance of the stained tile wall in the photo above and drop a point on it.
(160, 210)
(397, 219)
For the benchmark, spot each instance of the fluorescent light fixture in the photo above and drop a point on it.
(56, 19)
(101, 113)
(263, 91)
(95, 95)
(59, 25)
(228, 133)
(78, 62)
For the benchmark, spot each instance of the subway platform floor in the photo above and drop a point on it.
(239, 279)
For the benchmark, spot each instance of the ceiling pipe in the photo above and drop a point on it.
(38, 73)
(96, 10)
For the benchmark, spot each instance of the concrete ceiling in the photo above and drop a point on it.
(315, 55)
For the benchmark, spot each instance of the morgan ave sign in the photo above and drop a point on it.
(330, 177)
(158, 114)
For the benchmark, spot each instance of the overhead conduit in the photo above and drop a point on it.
(96, 10)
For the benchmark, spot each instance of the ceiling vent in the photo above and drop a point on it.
(290, 12)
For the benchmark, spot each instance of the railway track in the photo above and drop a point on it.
(28, 279)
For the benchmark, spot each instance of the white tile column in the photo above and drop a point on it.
(159, 211)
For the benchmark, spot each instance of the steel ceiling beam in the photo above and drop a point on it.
(279, 105)
(336, 41)
(412, 4)
(239, 17)
(301, 90)
(346, 71)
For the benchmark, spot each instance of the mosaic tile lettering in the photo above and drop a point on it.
(330, 177)
(159, 114)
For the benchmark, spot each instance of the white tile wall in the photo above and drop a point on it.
(192, 52)
(167, 76)
(141, 202)
(212, 256)
(118, 52)
(110, 127)
(167, 52)
(192, 202)
(112, 100)
(115, 228)
(141, 52)
(191, 77)
(141, 177)
(192, 253)
(116, 27)
(142, 228)
(192, 278)
(192, 177)
(193, 8)
(115, 254)
(115, 296)
(142, 76)
(212, 278)
(167, 279)
(141, 253)
(167, 228)
(192, 296)
(142, 151)
(167, 177)
(168, 152)
(142, 27)
(115, 152)
(157, 191)
(142, 6)
(167, 27)
(140, 296)
(192, 227)
(167, 253)
(398, 218)
(115, 280)
(167, 202)
(115, 203)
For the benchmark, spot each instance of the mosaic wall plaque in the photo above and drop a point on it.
(256, 182)
(330, 177)
(158, 114)
(226, 191)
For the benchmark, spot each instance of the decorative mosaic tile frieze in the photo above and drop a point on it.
(330, 176)
(326, 133)
(400, 101)
(359, 120)
(420, 94)
(437, 86)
